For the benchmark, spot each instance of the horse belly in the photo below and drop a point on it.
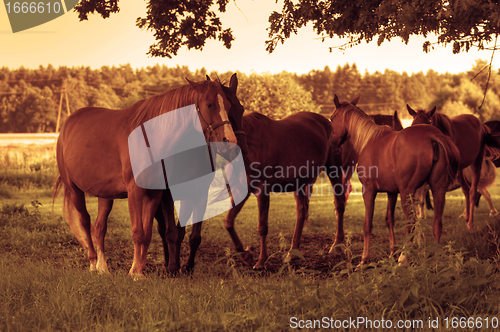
(99, 178)
(376, 166)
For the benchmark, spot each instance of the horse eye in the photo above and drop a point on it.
(209, 105)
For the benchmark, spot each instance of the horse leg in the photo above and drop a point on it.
(78, 200)
(487, 197)
(407, 202)
(172, 261)
(302, 209)
(194, 243)
(195, 236)
(263, 204)
(439, 195)
(466, 190)
(369, 198)
(392, 199)
(246, 255)
(184, 214)
(142, 209)
(340, 198)
(473, 194)
(162, 230)
(104, 207)
(420, 197)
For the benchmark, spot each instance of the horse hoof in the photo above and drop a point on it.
(187, 269)
(334, 249)
(246, 256)
(403, 259)
(137, 276)
(172, 271)
(259, 267)
(360, 267)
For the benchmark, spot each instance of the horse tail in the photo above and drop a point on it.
(68, 211)
(428, 203)
(450, 153)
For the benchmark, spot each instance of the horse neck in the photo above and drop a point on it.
(443, 123)
(255, 125)
(362, 130)
(152, 107)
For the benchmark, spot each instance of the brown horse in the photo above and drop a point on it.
(349, 160)
(186, 209)
(285, 156)
(471, 136)
(93, 158)
(385, 163)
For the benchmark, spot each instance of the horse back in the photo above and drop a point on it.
(282, 147)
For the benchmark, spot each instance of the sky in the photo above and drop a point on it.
(117, 40)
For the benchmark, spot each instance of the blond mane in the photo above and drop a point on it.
(361, 127)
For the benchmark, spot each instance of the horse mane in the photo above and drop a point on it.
(443, 123)
(166, 102)
(360, 126)
(254, 122)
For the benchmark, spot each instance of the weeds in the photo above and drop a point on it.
(45, 285)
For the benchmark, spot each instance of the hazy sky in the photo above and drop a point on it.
(115, 41)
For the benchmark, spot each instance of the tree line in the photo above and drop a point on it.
(30, 98)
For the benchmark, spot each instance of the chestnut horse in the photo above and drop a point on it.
(349, 161)
(93, 158)
(386, 164)
(186, 209)
(285, 156)
(471, 136)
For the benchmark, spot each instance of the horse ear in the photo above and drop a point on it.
(336, 101)
(355, 100)
(432, 111)
(208, 78)
(233, 84)
(411, 111)
(193, 85)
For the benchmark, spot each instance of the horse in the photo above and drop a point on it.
(93, 157)
(385, 164)
(285, 156)
(349, 160)
(471, 136)
(186, 208)
(486, 179)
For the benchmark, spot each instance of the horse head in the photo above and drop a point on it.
(235, 113)
(340, 131)
(212, 106)
(421, 116)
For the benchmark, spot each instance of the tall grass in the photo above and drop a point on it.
(27, 168)
(46, 285)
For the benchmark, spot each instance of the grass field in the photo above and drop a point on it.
(46, 285)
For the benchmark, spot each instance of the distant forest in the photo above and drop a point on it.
(30, 98)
